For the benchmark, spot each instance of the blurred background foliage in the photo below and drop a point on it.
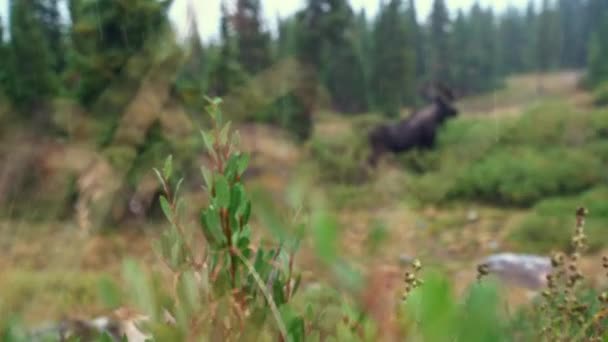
(95, 94)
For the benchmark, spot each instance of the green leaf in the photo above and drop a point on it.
(243, 162)
(177, 187)
(231, 167)
(296, 284)
(212, 229)
(218, 116)
(325, 234)
(160, 177)
(140, 287)
(104, 337)
(224, 133)
(217, 101)
(246, 212)
(207, 177)
(168, 168)
(243, 242)
(236, 139)
(296, 329)
(180, 207)
(176, 253)
(166, 207)
(208, 140)
(161, 248)
(236, 199)
(109, 292)
(188, 292)
(222, 191)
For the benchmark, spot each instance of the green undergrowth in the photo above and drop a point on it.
(550, 150)
(546, 227)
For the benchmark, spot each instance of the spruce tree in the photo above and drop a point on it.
(417, 38)
(4, 63)
(106, 34)
(393, 61)
(548, 38)
(253, 42)
(192, 79)
(53, 31)
(327, 45)
(286, 40)
(364, 46)
(461, 57)
(572, 41)
(512, 39)
(342, 63)
(30, 73)
(440, 51)
(531, 50)
(597, 71)
(227, 73)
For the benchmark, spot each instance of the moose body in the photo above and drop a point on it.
(417, 131)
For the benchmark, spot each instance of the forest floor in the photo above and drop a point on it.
(48, 270)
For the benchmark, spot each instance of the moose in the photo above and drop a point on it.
(416, 131)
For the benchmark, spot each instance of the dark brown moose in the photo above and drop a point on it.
(416, 131)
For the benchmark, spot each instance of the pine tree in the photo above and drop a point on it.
(548, 38)
(461, 57)
(417, 38)
(342, 64)
(572, 41)
(4, 62)
(253, 42)
(54, 32)
(597, 71)
(593, 20)
(364, 46)
(228, 73)
(105, 35)
(30, 73)
(513, 37)
(531, 51)
(393, 61)
(192, 79)
(440, 52)
(327, 46)
(286, 41)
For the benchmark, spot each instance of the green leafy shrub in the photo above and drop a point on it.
(287, 112)
(340, 159)
(600, 95)
(523, 176)
(547, 228)
(259, 281)
(570, 308)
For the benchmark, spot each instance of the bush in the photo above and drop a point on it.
(600, 95)
(339, 159)
(547, 228)
(522, 176)
(289, 113)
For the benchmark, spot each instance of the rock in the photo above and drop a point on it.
(405, 259)
(524, 270)
(472, 216)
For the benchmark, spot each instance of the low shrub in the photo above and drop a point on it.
(600, 95)
(340, 159)
(522, 176)
(546, 229)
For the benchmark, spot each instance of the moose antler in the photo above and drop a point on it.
(436, 90)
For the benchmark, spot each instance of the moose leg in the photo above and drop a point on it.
(373, 158)
(377, 148)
